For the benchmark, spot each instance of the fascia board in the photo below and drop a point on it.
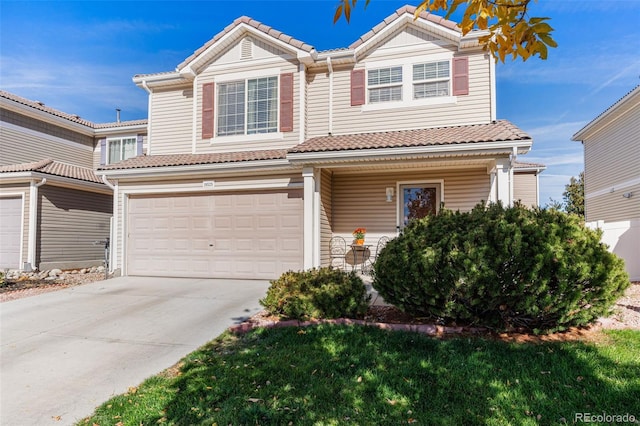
(529, 169)
(247, 166)
(26, 177)
(158, 80)
(523, 147)
(47, 117)
(120, 129)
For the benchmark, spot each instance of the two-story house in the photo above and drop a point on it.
(612, 177)
(261, 148)
(53, 207)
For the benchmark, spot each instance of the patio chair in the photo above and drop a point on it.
(338, 251)
(372, 259)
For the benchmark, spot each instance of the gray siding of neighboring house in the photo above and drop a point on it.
(612, 157)
(24, 139)
(69, 222)
(525, 188)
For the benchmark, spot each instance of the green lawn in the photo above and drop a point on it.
(330, 375)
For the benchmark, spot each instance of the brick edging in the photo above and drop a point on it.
(428, 329)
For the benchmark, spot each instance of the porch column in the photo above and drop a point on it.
(504, 181)
(309, 232)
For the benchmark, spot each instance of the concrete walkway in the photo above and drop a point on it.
(65, 352)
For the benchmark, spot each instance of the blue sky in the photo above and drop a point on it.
(80, 56)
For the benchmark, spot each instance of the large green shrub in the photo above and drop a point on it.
(317, 293)
(505, 268)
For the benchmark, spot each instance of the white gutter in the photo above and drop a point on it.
(257, 165)
(330, 66)
(194, 115)
(33, 221)
(113, 260)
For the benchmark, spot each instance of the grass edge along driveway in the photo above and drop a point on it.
(330, 375)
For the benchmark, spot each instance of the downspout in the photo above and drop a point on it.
(146, 88)
(512, 164)
(330, 66)
(194, 115)
(113, 260)
(33, 222)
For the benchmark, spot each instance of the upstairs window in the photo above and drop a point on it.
(385, 84)
(248, 107)
(431, 80)
(120, 149)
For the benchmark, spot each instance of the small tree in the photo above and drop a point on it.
(572, 197)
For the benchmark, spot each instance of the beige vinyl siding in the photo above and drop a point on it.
(468, 109)
(69, 222)
(237, 143)
(24, 145)
(171, 121)
(318, 104)
(525, 188)
(13, 190)
(612, 206)
(359, 199)
(325, 216)
(612, 157)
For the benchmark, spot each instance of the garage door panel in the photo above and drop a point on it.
(243, 235)
(10, 232)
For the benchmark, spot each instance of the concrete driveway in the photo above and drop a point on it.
(63, 353)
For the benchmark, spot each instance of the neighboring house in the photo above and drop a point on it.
(612, 177)
(52, 205)
(260, 148)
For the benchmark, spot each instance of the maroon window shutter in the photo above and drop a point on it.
(357, 87)
(460, 76)
(208, 100)
(286, 102)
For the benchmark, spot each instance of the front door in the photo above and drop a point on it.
(418, 201)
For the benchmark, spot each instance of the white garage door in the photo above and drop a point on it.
(247, 235)
(10, 230)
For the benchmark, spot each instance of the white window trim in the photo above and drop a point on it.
(438, 183)
(246, 137)
(107, 157)
(407, 83)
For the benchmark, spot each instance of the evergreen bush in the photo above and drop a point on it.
(505, 268)
(317, 293)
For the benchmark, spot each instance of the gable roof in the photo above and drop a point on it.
(54, 168)
(581, 134)
(306, 53)
(498, 131)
